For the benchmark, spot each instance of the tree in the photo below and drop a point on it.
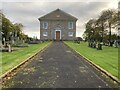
(109, 19)
(96, 29)
(114, 37)
(11, 32)
(108, 14)
(18, 29)
(1, 25)
(7, 28)
(89, 29)
(92, 32)
(101, 23)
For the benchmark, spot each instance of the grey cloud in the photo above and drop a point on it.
(28, 13)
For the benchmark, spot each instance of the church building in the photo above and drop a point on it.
(57, 25)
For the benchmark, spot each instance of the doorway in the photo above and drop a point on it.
(57, 35)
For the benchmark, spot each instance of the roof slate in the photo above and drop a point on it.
(58, 15)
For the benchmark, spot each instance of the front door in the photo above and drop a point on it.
(57, 35)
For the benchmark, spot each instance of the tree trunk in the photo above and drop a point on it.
(102, 31)
(111, 44)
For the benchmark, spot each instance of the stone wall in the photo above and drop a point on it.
(53, 25)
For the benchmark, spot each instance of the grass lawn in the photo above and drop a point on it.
(106, 58)
(9, 60)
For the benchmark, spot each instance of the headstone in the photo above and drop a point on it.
(111, 43)
(94, 44)
(116, 43)
(78, 42)
(3, 41)
(6, 45)
(1, 46)
(99, 46)
(9, 48)
(13, 42)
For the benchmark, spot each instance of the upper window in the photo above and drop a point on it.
(70, 25)
(70, 34)
(45, 25)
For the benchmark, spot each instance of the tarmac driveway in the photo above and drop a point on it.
(58, 67)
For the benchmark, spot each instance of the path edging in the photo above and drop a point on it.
(96, 66)
(23, 62)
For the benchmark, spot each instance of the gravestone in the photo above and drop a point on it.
(99, 46)
(116, 43)
(9, 48)
(94, 44)
(111, 43)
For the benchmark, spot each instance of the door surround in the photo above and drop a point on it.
(55, 34)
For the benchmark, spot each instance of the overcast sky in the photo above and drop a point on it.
(28, 12)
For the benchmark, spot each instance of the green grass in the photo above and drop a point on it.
(106, 58)
(9, 60)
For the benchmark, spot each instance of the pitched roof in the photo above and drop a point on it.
(57, 15)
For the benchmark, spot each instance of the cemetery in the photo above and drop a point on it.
(15, 46)
(107, 58)
(11, 59)
(60, 58)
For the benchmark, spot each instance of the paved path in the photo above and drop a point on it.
(59, 68)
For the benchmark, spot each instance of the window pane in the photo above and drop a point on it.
(45, 33)
(70, 25)
(45, 25)
(70, 34)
